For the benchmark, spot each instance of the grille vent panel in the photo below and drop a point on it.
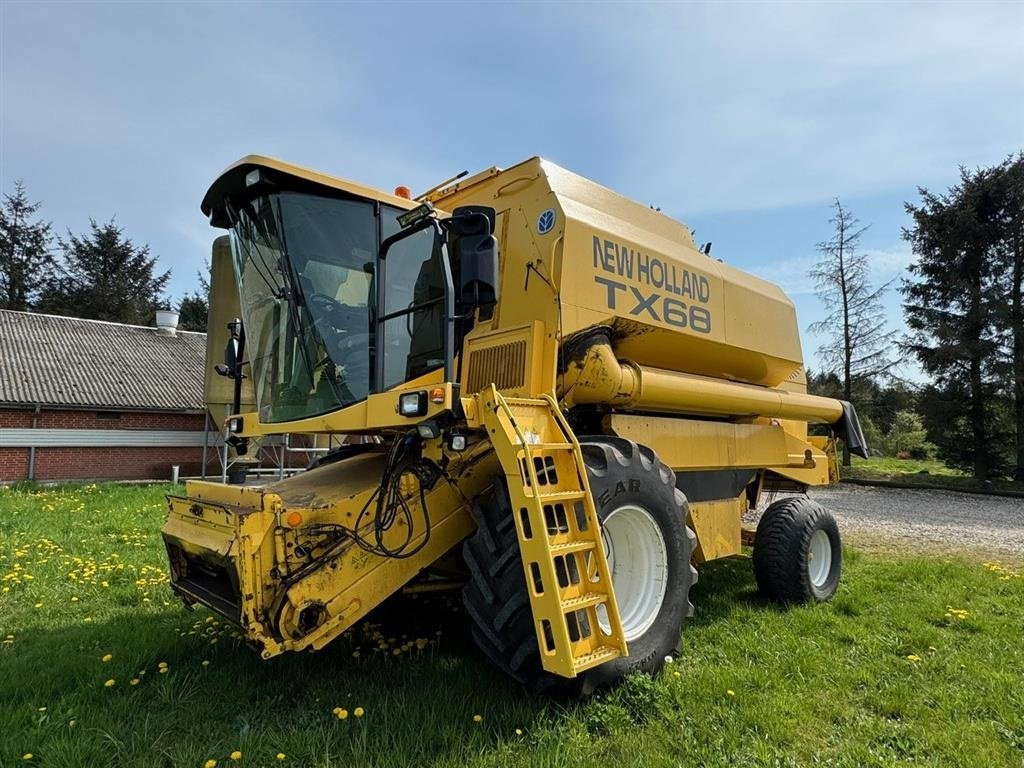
(503, 365)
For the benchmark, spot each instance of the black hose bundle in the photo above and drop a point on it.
(404, 458)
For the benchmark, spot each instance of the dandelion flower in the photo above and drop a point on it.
(107, 658)
(134, 681)
(39, 605)
(280, 755)
(343, 713)
(478, 718)
(162, 664)
(677, 673)
(519, 731)
(27, 756)
(730, 692)
(913, 657)
(210, 764)
(236, 755)
(71, 723)
(42, 709)
(358, 712)
(109, 683)
(206, 663)
(74, 599)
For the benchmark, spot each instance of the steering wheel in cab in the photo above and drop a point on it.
(336, 323)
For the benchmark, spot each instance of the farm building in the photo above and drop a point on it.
(86, 399)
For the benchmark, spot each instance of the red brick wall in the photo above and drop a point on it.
(100, 463)
(70, 419)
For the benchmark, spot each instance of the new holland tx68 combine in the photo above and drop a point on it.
(573, 406)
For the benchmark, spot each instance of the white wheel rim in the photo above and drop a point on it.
(819, 558)
(638, 562)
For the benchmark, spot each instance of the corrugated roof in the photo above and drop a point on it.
(79, 363)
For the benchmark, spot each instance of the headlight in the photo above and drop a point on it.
(413, 403)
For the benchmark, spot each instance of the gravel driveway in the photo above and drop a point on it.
(919, 519)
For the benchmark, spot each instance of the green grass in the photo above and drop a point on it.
(888, 466)
(754, 685)
(921, 473)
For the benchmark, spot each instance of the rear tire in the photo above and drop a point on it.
(798, 554)
(638, 493)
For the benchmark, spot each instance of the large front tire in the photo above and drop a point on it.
(649, 548)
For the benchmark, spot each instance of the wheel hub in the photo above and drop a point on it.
(819, 558)
(638, 562)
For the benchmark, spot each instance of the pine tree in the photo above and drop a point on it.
(950, 308)
(194, 308)
(105, 276)
(858, 346)
(25, 257)
(1010, 312)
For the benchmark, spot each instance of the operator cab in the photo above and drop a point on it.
(339, 300)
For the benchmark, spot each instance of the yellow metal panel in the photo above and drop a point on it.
(692, 444)
(717, 525)
(705, 317)
(379, 411)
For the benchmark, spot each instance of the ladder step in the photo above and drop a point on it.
(540, 448)
(572, 546)
(592, 659)
(561, 496)
(584, 601)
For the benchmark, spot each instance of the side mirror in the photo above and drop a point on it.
(476, 251)
(232, 358)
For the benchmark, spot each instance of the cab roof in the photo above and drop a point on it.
(232, 182)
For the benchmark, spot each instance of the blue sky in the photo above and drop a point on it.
(743, 120)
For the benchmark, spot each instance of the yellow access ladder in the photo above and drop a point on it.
(571, 595)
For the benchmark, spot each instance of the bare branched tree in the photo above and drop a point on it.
(859, 345)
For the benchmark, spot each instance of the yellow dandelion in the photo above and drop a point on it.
(210, 764)
(162, 664)
(109, 683)
(108, 657)
(478, 718)
(730, 692)
(27, 756)
(519, 731)
(341, 713)
(913, 657)
(163, 670)
(358, 712)
(74, 599)
(39, 605)
(280, 755)
(236, 755)
(42, 709)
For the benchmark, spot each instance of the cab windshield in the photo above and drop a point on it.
(308, 271)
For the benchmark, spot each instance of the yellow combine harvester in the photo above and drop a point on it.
(575, 407)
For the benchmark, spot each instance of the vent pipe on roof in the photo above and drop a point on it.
(167, 322)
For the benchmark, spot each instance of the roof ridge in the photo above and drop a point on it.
(92, 320)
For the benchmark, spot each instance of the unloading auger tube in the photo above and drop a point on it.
(595, 376)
